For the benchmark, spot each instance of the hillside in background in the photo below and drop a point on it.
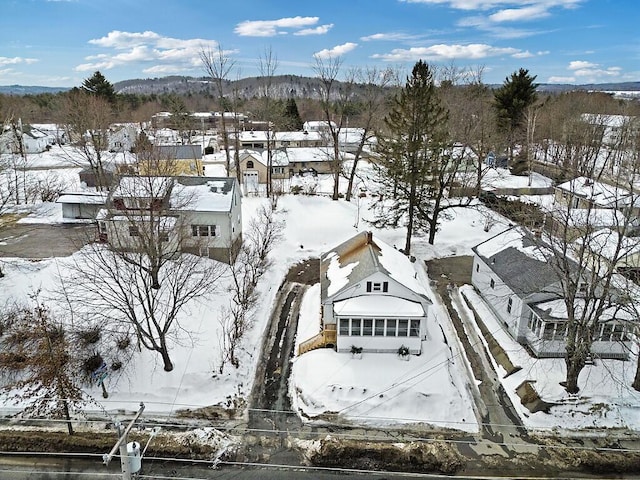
(283, 86)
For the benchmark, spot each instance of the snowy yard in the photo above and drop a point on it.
(378, 389)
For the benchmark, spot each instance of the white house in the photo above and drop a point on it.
(512, 274)
(371, 297)
(199, 215)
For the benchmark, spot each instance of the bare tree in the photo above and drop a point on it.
(87, 118)
(372, 104)
(37, 361)
(217, 66)
(248, 267)
(140, 275)
(268, 65)
(585, 257)
(335, 102)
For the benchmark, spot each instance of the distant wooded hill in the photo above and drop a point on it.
(283, 86)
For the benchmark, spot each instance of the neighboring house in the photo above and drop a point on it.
(32, 140)
(583, 192)
(318, 126)
(253, 170)
(614, 129)
(199, 215)
(583, 206)
(307, 160)
(370, 298)
(122, 138)
(512, 274)
(607, 246)
(258, 140)
(172, 160)
(81, 205)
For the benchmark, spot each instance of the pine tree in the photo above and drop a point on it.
(511, 102)
(98, 85)
(292, 115)
(413, 153)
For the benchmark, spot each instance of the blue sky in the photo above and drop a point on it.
(62, 42)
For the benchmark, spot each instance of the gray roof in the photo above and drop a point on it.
(518, 259)
(523, 274)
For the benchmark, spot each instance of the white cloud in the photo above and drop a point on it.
(130, 48)
(472, 51)
(17, 60)
(489, 4)
(319, 30)
(580, 65)
(528, 54)
(336, 51)
(589, 72)
(561, 80)
(392, 36)
(270, 28)
(520, 14)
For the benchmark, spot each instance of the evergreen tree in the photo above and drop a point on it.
(511, 102)
(413, 154)
(98, 85)
(292, 115)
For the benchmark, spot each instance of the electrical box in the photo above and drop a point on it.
(133, 454)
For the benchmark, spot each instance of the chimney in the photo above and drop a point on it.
(369, 238)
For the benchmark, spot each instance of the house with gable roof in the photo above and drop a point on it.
(198, 215)
(371, 298)
(512, 273)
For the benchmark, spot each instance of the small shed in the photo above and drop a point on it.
(81, 205)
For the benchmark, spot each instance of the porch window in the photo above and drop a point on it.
(367, 327)
(344, 326)
(549, 331)
(403, 328)
(391, 327)
(618, 333)
(355, 327)
(414, 328)
(379, 331)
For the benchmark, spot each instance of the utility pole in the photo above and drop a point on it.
(121, 444)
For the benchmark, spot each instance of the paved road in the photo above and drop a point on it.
(27, 240)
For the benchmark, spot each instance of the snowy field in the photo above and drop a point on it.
(433, 388)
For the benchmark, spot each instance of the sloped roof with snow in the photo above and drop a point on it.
(361, 256)
(519, 260)
(599, 193)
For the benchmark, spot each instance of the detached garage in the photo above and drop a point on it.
(81, 206)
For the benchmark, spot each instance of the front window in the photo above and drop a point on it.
(414, 329)
(203, 230)
(344, 326)
(367, 327)
(355, 326)
(403, 328)
(391, 327)
(249, 163)
(379, 332)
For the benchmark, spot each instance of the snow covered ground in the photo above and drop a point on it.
(433, 388)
